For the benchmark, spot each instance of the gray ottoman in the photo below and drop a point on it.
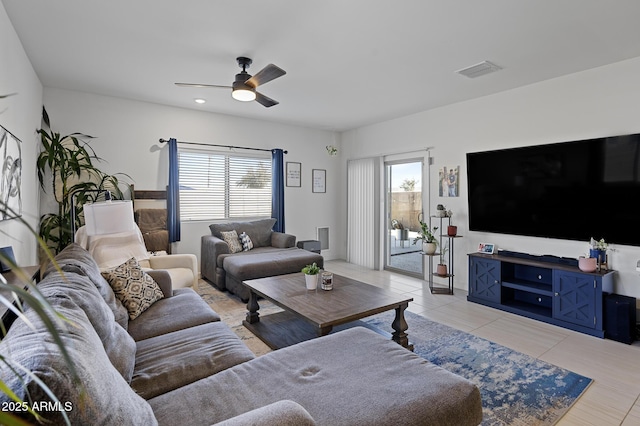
(353, 377)
(265, 264)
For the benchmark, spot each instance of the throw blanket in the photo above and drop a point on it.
(153, 225)
(152, 219)
(112, 250)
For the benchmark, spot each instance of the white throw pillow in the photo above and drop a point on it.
(247, 244)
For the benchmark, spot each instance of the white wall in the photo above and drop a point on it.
(20, 114)
(127, 135)
(594, 103)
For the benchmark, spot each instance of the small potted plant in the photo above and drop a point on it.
(429, 241)
(441, 268)
(311, 275)
(598, 249)
(452, 230)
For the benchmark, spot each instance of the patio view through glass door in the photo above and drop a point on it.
(403, 181)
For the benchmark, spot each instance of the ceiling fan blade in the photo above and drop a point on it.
(201, 85)
(265, 75)
(265, 100)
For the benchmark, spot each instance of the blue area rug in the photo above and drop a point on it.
(516, 389)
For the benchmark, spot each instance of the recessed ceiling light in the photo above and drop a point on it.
(200, 101)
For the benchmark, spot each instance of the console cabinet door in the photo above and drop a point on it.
(484, 279)
(574, 298)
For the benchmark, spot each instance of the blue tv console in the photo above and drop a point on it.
(544, 288)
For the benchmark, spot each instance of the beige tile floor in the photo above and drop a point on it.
(612, 399)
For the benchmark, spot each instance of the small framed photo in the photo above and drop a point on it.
(319, 180)
(294, 176)
(486, 248)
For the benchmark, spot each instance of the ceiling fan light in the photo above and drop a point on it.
(244, 95)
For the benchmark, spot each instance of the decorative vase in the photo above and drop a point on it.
(452, 230)
(441, 269)
(587, 264)
(429, 248)
(311, 281)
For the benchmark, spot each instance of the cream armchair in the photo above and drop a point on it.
(111, 250)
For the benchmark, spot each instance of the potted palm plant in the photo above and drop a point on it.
(66, 166)
(429, 241)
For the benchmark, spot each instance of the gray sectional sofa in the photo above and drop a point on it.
(273, 253)
(177, 363)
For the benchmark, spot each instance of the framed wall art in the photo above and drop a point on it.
(11, 184)
(448, 181)
(294, 174)
(319, 177)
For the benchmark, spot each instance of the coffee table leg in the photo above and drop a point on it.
(400, 326)
(253, 316)
(324, 331)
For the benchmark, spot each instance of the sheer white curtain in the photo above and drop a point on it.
(362, 229)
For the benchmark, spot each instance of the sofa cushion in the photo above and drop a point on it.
(166, 362)
(118, 344)
(245, 239)
(77, 257)
(135, 288)
(325, 376)
(183, 310)
(258, 230)
(281, 413)
(271, 263)
(232, 240)
(222, 257)
(100, 396)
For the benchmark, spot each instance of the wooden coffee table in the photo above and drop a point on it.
(312, 313)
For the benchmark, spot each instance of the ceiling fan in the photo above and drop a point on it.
(244, 87)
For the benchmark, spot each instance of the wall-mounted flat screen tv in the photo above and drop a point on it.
(571, 190)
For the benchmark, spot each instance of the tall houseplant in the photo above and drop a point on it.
(66, 165)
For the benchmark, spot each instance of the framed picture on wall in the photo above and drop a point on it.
(294, 175)
(319, 177)
(11, 188)
(448, 181)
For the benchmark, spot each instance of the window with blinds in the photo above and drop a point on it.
(223, 186)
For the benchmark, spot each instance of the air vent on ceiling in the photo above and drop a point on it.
(477, 70)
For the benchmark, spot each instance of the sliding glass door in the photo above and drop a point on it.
(403, 183)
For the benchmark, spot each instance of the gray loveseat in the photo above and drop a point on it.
(177, 363)
(273, 253)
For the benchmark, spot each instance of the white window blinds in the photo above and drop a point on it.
(217, 185)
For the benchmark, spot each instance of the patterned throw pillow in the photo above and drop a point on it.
(247, 244)
(133, 287)
(232, 240)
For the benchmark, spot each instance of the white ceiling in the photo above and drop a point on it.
(349, 62)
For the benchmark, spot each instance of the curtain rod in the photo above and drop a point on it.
(388, 154)
(221, 146)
